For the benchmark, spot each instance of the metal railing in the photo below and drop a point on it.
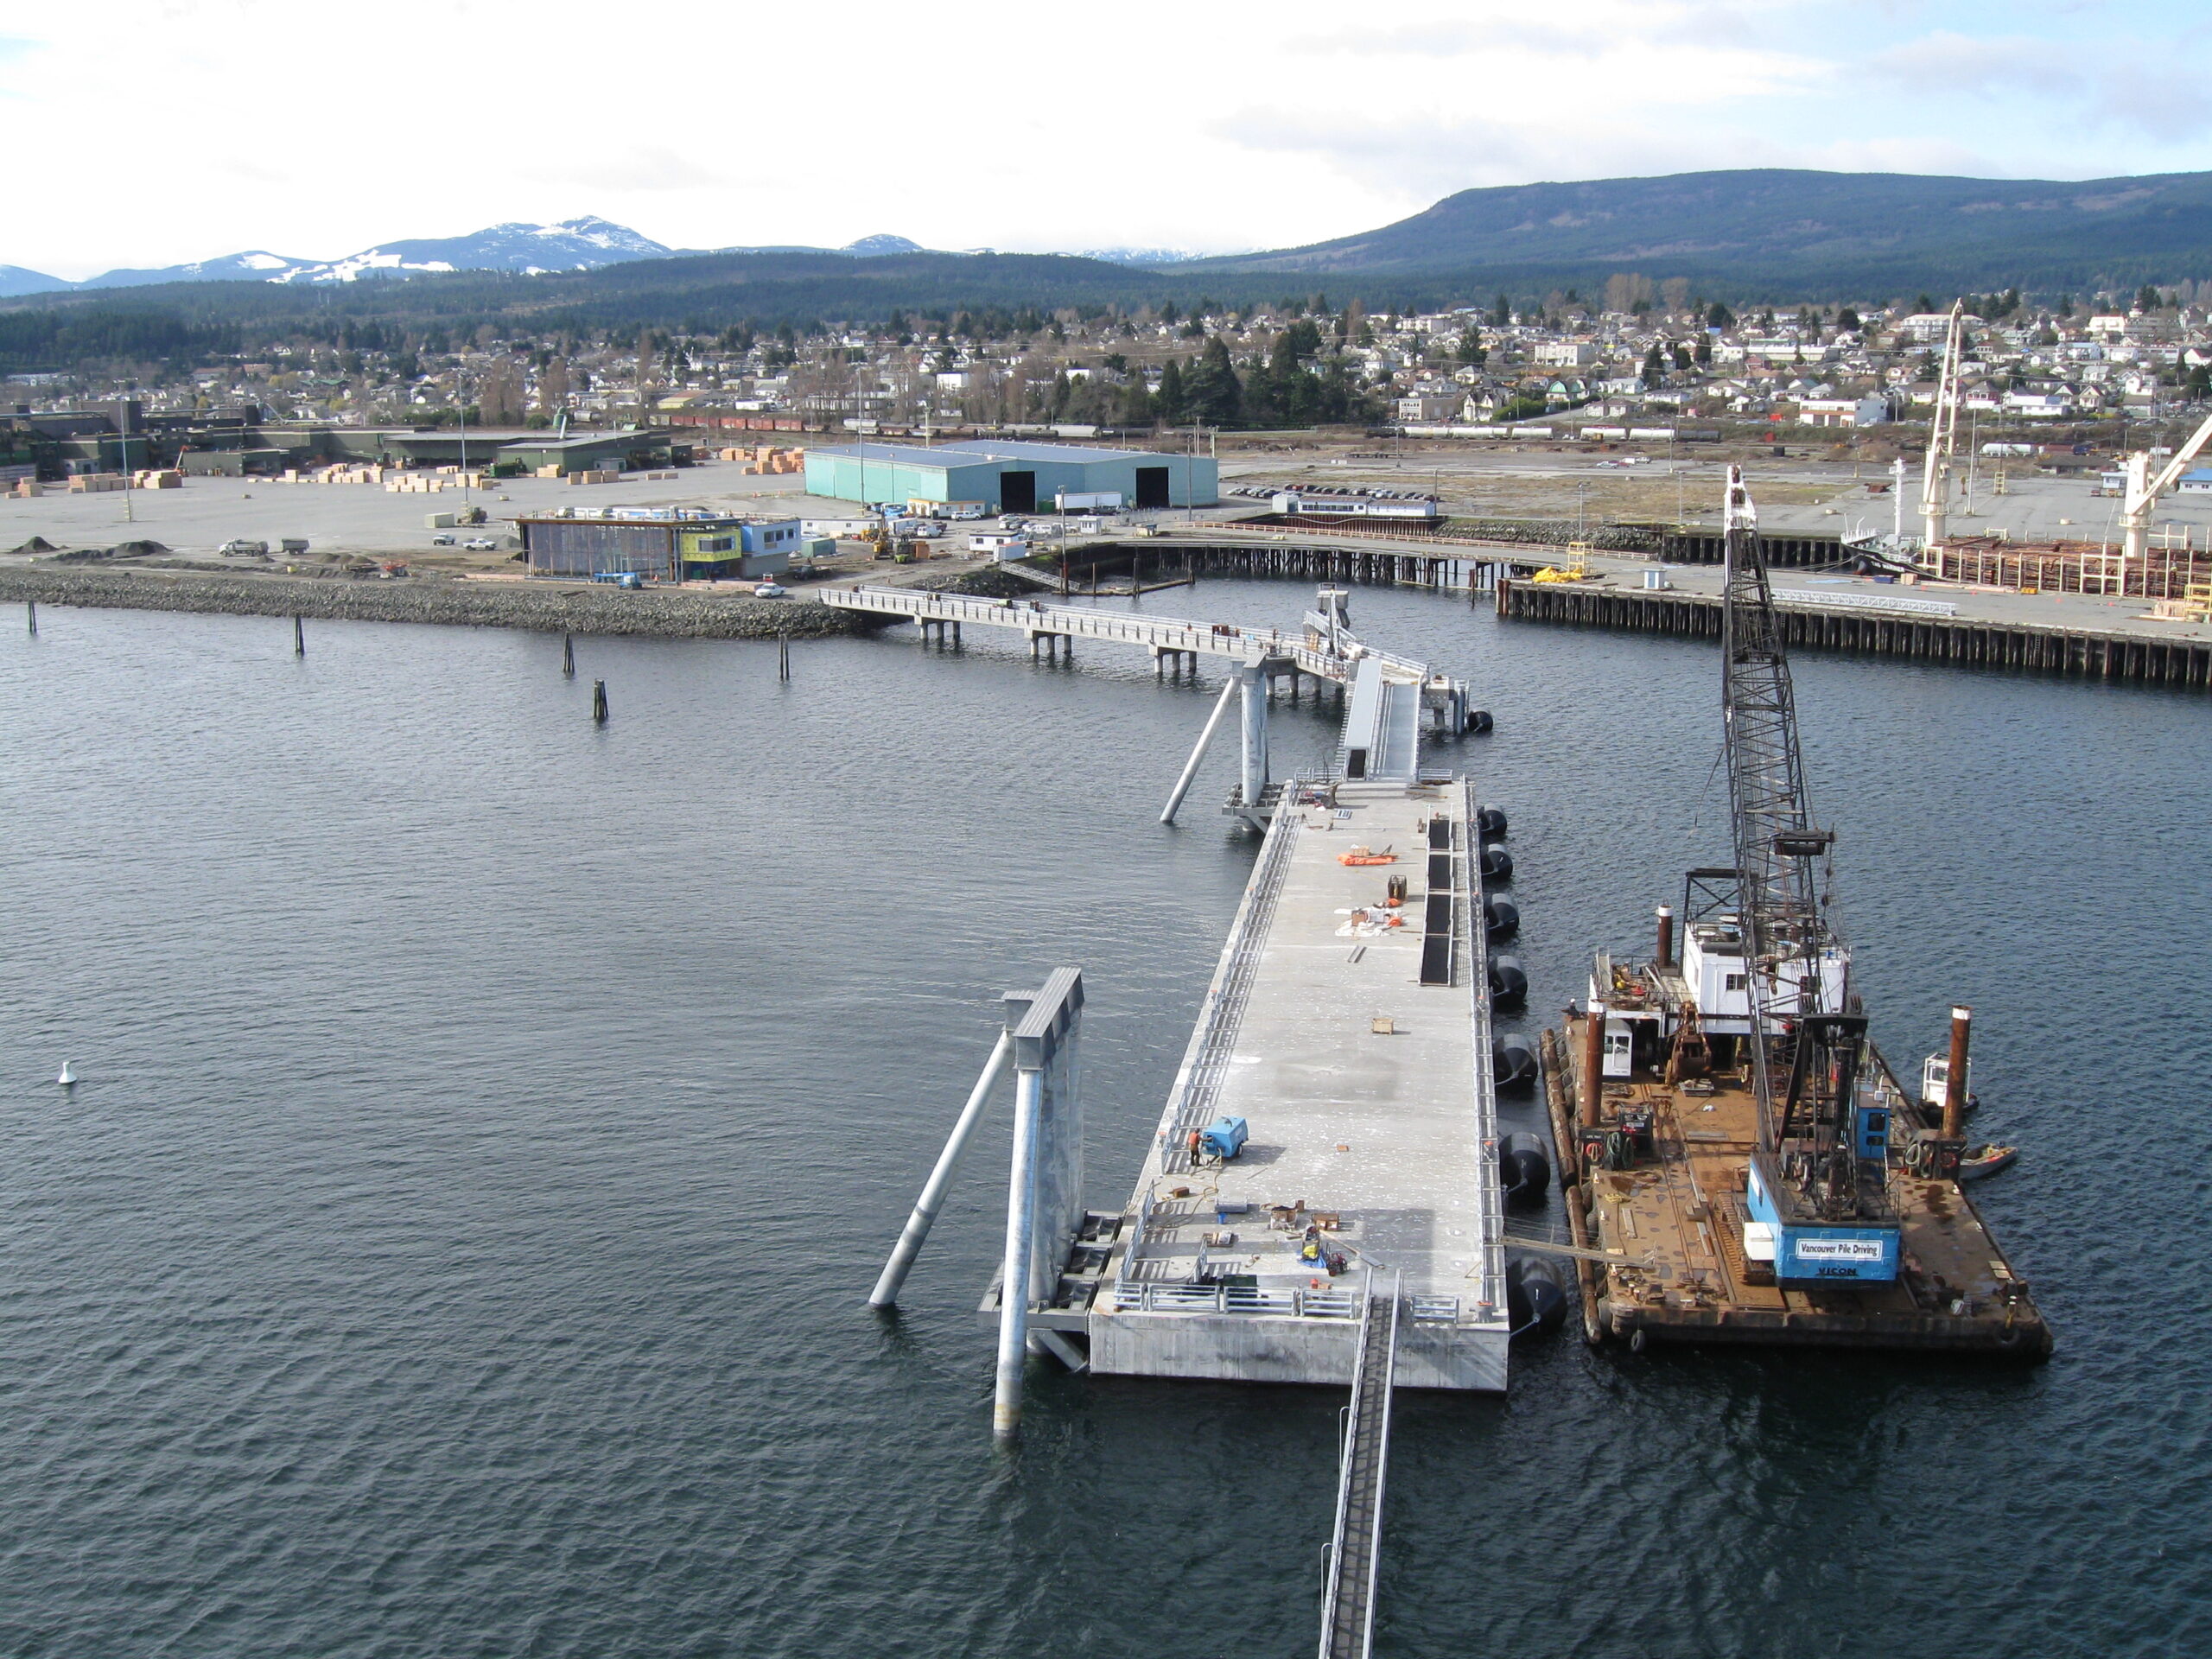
(1355, 1547)
(1191, 1105)
(1849, 602)
(1133, 1296)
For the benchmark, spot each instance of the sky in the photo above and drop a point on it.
(167, 130)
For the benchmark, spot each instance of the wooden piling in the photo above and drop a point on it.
(1960, 642)
(299, 637)
(569, 655)
(599, 701)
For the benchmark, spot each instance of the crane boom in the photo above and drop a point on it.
(1818, 1166)
(1943, 432)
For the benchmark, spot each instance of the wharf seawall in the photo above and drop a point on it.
(547, 607)
(1967, 642)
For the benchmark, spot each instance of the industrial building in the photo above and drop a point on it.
(662, 545)
(1007, 477)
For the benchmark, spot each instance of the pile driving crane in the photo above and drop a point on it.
(1942, 434)
(1820, 1176)
(2143, 494)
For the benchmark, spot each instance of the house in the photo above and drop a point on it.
(1428, 406)
(1843, 411)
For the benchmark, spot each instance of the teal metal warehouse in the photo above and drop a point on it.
(1009, 477)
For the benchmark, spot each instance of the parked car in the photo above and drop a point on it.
(768, 590)
(441, 540)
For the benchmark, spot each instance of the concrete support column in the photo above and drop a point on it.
(1253, 676)
(1021, 1227)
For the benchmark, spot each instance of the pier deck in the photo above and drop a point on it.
(1359, 1054)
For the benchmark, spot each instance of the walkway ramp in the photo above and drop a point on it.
(1381, 735)
(1327, 657)
(1355, 1547)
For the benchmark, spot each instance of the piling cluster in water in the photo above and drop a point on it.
(551, 607)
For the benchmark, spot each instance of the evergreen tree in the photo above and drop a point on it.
(1215, 394)
(1655, 366)
(1171, 404)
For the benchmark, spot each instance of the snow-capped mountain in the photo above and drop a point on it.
(870, 247)
(256, 267)
(1138, 256)
(582, 243)
(573, 245)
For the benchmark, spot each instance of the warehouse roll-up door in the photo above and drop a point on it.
(1152, 487)
(1017, 491)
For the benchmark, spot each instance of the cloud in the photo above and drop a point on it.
(649, 167)
(2116, 84)
(1427, 160)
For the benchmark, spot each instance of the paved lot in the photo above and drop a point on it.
(366, 517)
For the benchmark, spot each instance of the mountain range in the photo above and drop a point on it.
(586, 244)
(1752, 236)
(1872, 233)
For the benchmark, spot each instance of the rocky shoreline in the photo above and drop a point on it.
(547, 607)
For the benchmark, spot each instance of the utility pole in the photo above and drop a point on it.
(460, 402)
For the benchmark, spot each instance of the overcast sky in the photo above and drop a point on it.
(149, 134)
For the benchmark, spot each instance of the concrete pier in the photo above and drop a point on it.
(1353, 1038)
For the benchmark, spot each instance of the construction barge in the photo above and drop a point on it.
(1662, 1193)
(1741, 1164)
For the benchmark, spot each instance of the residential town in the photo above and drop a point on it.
(1629, 355)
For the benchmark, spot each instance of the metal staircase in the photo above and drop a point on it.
(1356, 1549)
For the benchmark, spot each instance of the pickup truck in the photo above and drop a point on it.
(481, 544)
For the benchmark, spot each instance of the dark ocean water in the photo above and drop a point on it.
(491, 1125)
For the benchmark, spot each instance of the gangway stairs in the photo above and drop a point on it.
(1356, 1549)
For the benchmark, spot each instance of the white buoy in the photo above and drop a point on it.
(68, 1079)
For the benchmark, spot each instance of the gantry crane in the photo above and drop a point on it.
(1822, 1165)
(2143, 491)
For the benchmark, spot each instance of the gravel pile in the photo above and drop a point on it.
(552, 607)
